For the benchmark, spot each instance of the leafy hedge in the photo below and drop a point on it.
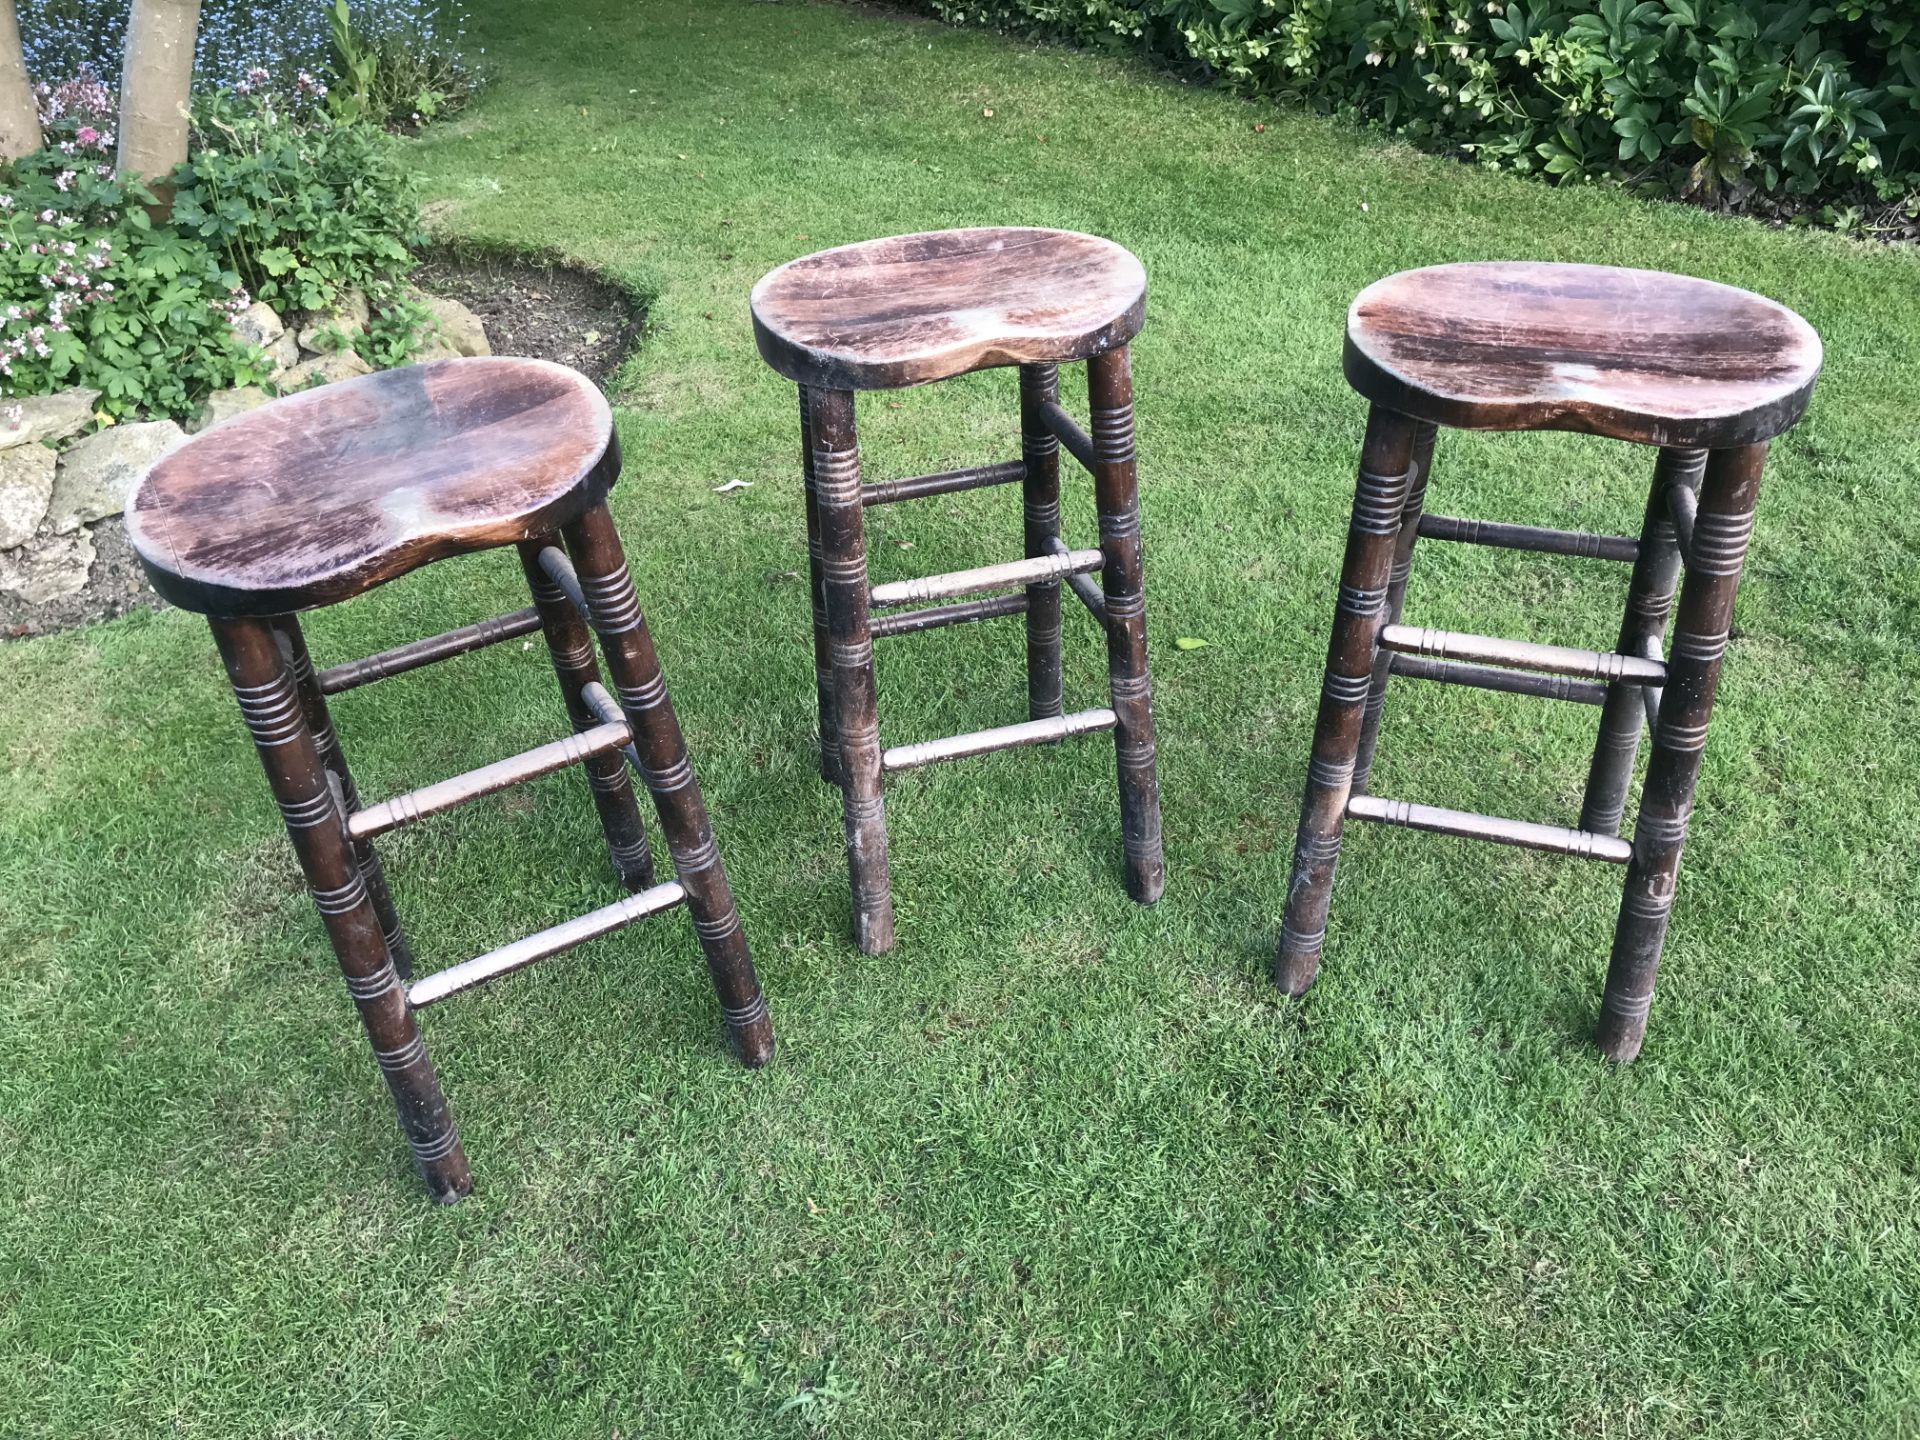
(1717, 100)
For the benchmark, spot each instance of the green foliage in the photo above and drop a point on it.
(298, 212)
(1713, 99)
(94, 293)
(291, 211)
(354, 68)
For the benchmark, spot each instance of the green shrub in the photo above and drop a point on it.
(1718, 100)
(299, 211)
(292, 211)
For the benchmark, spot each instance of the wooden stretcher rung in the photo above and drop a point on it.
(946, 483)
(1004, 737)
(1064, 428)
(1683, 505)
(560, 570)
(988, 577)
(514, 770)
(434, 648)
(607, 710)
(1087, 591)
(1582, 844)
(432, 989)
(912, 622)
(1542, 541)
(1652, 695)
(1523, 655)
(1492, 677)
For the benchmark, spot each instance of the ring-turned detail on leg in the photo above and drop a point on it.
(642, 694)
(263, 685)
(1040, 487)
(1123, 582)
(570, 645)
(293, 647)
(1379, 497)
(836, 480)
(1702, 627)
(1422, 466)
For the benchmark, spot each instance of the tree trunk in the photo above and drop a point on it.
(154, 84)
(19, 116)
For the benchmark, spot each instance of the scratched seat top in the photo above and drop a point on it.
(916, 308)
(1633, 354)
(321, 495)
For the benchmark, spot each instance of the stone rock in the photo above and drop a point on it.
(97, 476)
(45, 417)
(459, 331)
(47, 568)
(26, 485)
(283, 354)
(322, 370)
(225, 404)
(259, 325)
(348, 317)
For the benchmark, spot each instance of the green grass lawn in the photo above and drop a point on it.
(1057, 1166)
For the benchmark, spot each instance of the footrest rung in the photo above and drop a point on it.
(1582, 844)
(560, 570)
(1541, 541)
(431, 650)
(1067, 431)
(1523, 655)
(445, 794)
(987, 577)
(436, 987)
(608, 710)
(1005, 737)
(912, 622)
(1683, 505)
(946, 483)
(1088, 591)
(1492, 677)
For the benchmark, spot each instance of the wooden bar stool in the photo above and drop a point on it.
(1707, 373)
(320, 496)
(910, 310)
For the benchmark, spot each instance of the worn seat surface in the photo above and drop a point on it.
(1633, 354)
(321, 495)
(917, 308)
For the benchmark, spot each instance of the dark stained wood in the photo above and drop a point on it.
(313, 702)
(316, 824)
(1040, 530)
(843, 570)
(430, 651)
(614, 611)
(937, 617)
(570, 645)
(947, 482)
(817, 598)
(1632, 354)
(1116, 496)
(1649, 598)
(1384, 661)
(1702, 627)
(916, 308)
(321, 495)
(1386, 465)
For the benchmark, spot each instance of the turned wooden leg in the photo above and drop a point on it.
(1379, 497)
(1423, 438)
(316, 823)
(1649, 598)
(1040, 384)
(1700, 632)
(1117, 496)
(571, 646)
(817, 593)
(843, 550)
(313, 704)
(642, 692)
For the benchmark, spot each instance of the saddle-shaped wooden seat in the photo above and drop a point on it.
(1632, 354)
(325, 494)
(912, 309)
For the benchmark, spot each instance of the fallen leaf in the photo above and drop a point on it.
(780, 577)
(988, 112)
(1260, 127)
(732, 485)
(1188, 642)
(592, 337)
(903, 544)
